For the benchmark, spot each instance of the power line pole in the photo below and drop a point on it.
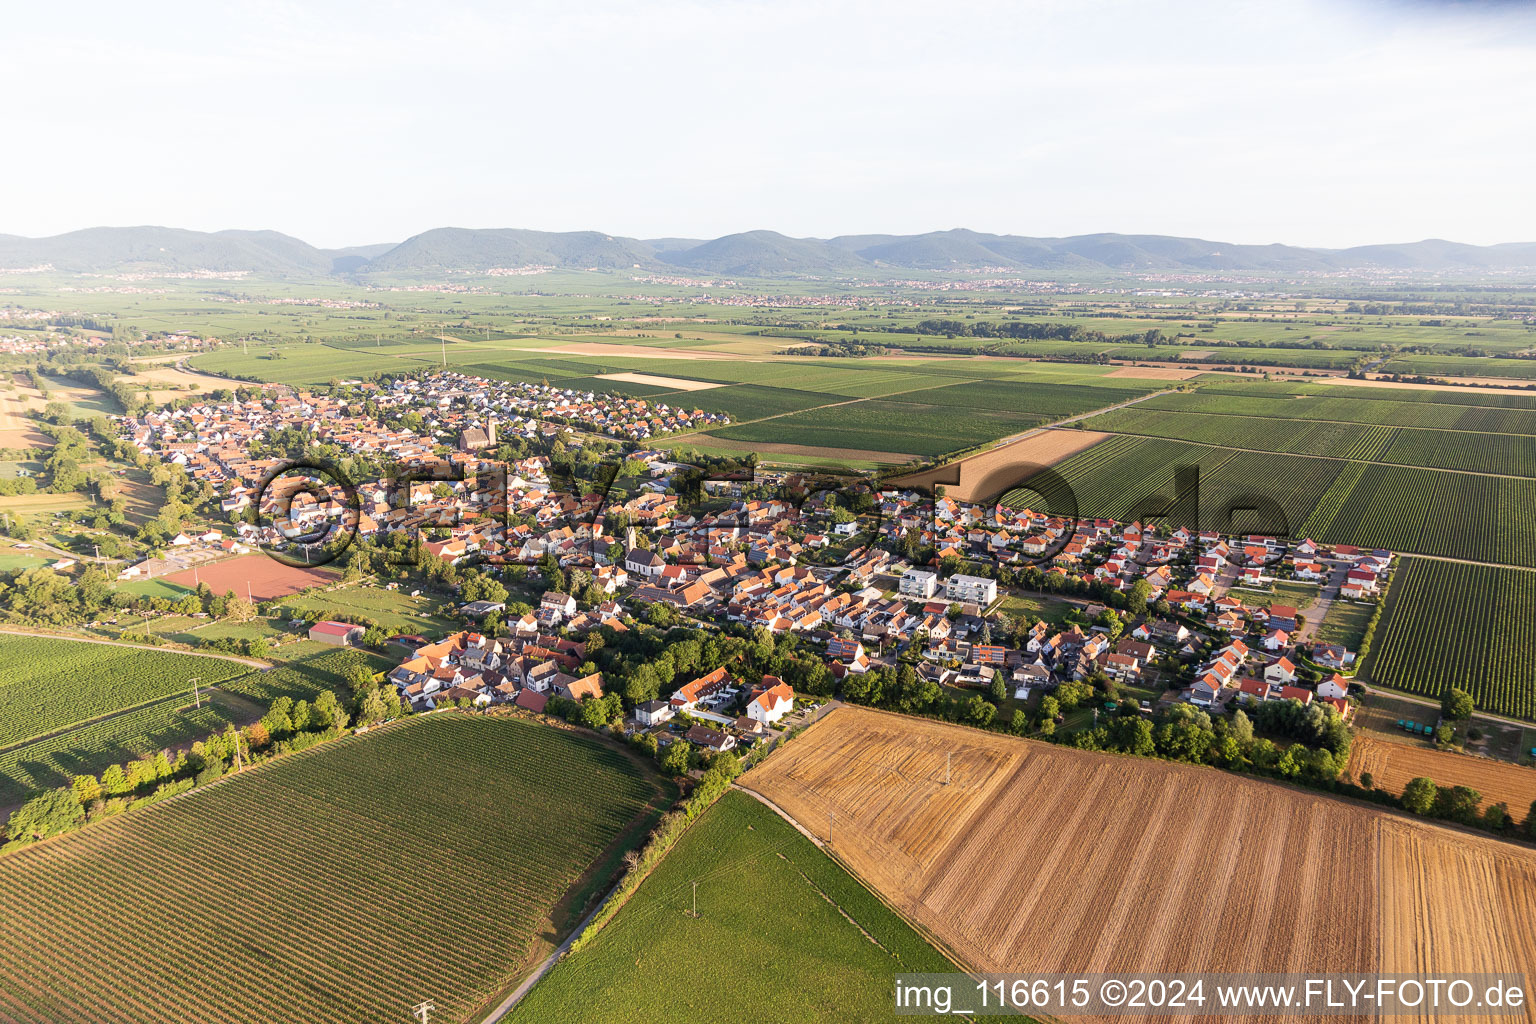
(423, 1010)
(946, 766)
(695, 911)
(197, 697)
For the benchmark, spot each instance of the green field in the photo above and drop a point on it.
(783, 936)
(307, 676)
(52, 761)
(1449, 624)
(353, 880)
(1345, 623)
(394, 610)
(1429, 512)
(48, 684)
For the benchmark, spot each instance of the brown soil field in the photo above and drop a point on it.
(266, 576)
(1153, 373)
(1394, 765)
(1037, 858)
(679, 383)
(983, 475)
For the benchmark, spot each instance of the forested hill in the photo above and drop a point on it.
(746, 254)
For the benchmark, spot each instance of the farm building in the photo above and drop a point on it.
(337, 634)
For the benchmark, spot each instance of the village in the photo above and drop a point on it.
(1140, 613)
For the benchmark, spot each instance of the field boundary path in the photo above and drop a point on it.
(255, 663)
(505, 1006)
(77, 556)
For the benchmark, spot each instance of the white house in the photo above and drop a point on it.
(653, 712)
(1334, 686)
(772, 704)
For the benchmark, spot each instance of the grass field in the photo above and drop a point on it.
(49, 684)
(355, 880)
(1345, 623)
(394, 610)
(1036, 858)
(1449, 624)
(783, 935)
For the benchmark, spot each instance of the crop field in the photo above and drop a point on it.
(754, 401)
(1337, 440)
(1393, 765)
(394, 610)
(1473, 626)
(1428, 512)
(881, 424)
(1172, 867)
(305, 678)
(1127, 477)
(832, 945)
(1460, 366)
(929, 421)
(49, 684)
(1345, 405)
(52, 761)
(326, 880)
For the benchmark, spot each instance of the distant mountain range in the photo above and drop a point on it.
(747, 254)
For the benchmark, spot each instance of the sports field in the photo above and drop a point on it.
(354, 880)
(258, 576)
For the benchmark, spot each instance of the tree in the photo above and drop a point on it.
(328, 709)
(1456, 704)
(998, 691)
(1419, 796)
(48, 815)
(85, 789)
(674, 758)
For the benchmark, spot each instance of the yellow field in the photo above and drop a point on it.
(1040, 858)
(1394, 765)
(981, 476)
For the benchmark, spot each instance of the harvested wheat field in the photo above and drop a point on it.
(1394, 765)
(1153, 373)
(986, 474)
(678, 383)
(1042, 858)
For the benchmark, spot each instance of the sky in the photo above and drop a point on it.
(1312, 123)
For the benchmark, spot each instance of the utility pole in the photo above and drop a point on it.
(831, 823)
(946, 766)
(422, 1011)
(695, 911)
(197, 697)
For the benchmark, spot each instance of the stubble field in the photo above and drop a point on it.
(1040, 859)
(1394, 765)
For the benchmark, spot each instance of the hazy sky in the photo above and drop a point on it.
(1332, 123)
